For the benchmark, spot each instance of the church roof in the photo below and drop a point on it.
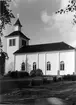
(17, 33)
(44, 48)
(18, 23)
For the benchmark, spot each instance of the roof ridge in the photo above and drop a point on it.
(46, 43)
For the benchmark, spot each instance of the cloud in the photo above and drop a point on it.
(61, 22)
(64, 22)
(64, 3)
(32, 1)
(45, 17)
(17, 2)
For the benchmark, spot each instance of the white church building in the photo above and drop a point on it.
(51, 58)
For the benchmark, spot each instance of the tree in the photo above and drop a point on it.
(71, 7)
(5, 18)
(5, 14)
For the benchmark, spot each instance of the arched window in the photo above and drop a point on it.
(48, 66)
(34, 65)
(62, 65)
(23, 66)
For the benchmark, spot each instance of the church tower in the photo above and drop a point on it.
(15, 41)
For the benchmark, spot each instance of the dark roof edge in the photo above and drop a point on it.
(51, 43)
(71, 48)
(41, 51)
(17, 35)
(26, 37)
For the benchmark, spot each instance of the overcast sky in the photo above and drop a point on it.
(41, 24)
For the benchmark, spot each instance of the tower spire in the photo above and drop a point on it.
(17, 24)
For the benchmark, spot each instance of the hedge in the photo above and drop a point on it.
(37, 72)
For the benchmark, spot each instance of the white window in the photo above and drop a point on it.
(23, 66)
(62, 65)
(48, 65)
(12, 42)
(34, 65)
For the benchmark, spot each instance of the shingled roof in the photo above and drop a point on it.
(17, 33)
(44, 48)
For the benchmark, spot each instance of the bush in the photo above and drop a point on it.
(33, 73)
(69, 77)
(23, 74)
(1, 76)
(37, 72)
(8, 74)
(23, 83)
(37, 81)
(55, 79)
(45, 80)
(13, 74)
(17, 74)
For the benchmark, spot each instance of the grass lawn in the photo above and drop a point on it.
(65, 90)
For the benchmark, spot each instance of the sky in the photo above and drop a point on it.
(41, 24)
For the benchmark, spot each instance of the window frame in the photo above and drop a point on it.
(62, 65)
(12, 42)
(34, 65)
(23, 66)
(48, 66)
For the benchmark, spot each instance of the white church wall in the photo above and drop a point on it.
(53, 58)
(30, 59)
(18, 61)
(10, 51)
(9, 66)
(42, 62)
(69, 62)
